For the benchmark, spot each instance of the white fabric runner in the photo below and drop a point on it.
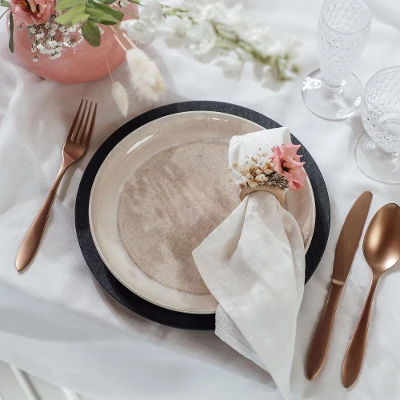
(58, 323)
(253, 263)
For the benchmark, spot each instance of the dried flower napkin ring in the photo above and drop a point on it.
(274, 172)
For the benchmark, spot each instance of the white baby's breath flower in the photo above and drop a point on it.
(52, 43)
(124, 3)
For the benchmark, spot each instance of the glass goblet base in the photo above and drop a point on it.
(376, 163)
(329, 103)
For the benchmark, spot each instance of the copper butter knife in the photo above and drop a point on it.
(346, 248)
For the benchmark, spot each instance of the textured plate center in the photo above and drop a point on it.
(170, 204)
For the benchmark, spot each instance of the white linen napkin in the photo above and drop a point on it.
(254, 265)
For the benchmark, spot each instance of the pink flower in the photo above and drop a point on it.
(287, 162)
(32, 12)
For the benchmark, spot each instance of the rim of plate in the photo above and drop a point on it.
(141, 143)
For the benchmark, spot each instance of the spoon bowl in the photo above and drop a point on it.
(381, 248)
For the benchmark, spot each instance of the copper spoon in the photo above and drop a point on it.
(381, 248)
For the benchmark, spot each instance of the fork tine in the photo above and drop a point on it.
(75, 135)
(71, 131)
(82, 133)
(91, 128)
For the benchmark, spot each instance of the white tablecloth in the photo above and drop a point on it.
(58, 323)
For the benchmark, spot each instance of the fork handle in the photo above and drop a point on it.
(32, 239)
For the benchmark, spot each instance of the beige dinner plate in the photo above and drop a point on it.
(126, 159)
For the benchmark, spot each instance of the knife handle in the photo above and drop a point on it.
(322, 337)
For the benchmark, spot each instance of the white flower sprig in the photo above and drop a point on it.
(145, 77)
(258, 170)
(212, 30)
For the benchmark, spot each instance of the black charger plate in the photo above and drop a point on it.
(120, 292)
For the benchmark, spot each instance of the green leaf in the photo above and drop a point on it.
(101, 17)
(80, 17)
(108, 10)
(66, 4)
(91, 33)
(107, 1)
(101, 21)
(65, 19)
(11, 43)
(4, 3)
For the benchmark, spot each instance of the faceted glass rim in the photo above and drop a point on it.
(346, 36)
(368, 85)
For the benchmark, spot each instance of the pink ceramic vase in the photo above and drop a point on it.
(83, 63)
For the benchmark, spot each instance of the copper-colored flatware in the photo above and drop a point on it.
(381, 249)
(74, 149)
(346, 248)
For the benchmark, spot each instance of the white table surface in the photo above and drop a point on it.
(58, 323)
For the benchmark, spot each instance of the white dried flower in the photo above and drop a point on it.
(252, 184)
(121, 97)
(261, 178)
(145, 76)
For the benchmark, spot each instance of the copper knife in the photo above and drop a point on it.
(346, 248)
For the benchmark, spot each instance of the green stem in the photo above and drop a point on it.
(4, 13)
(247, 47)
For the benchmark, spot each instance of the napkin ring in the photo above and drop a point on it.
(278, 193)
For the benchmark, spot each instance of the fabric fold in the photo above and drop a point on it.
(254, 265)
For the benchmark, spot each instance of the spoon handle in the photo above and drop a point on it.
(355, 353)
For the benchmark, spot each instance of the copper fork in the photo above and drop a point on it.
(74, 149)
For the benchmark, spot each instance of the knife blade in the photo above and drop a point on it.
(346, 248)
